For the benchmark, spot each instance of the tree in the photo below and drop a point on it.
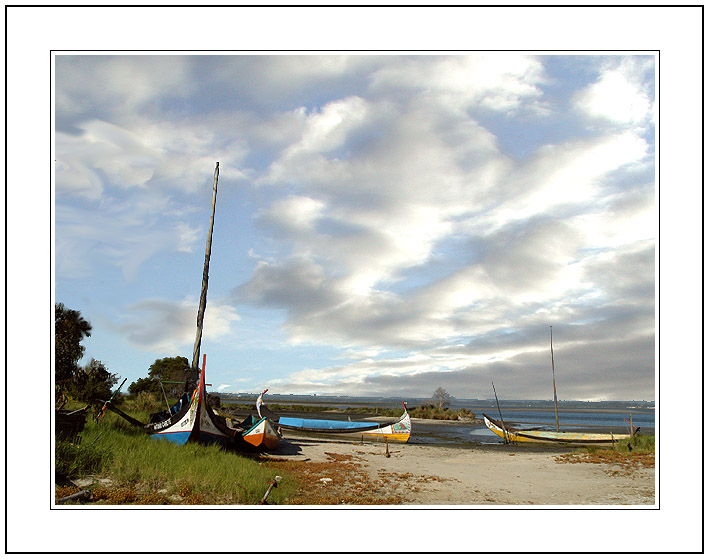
(144, 385)
(92, 383)
(69, 330)
(174, 370)
(441, 397)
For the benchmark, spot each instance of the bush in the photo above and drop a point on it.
(638, 443)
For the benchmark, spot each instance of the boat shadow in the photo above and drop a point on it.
(286, 448)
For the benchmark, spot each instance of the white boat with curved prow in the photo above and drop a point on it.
(516, 435)
(396, 430)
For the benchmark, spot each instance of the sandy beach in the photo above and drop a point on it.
(482, 475)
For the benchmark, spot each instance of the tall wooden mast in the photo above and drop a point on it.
(554, 388)
(205, 278)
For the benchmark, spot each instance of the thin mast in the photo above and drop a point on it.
(205, 277)
(554, 388)
(505, 432)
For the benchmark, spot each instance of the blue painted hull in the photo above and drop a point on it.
(325, 425)
(180, 438)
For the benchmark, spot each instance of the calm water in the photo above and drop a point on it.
(573, 415)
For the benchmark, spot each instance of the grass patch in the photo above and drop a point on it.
(638, 443)
(145, 470)
(72, 460)
(130, 468)
(626, 456)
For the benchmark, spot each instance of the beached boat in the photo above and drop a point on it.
(250, 434)
(182, 422)
(516, 435)
(397, 430)
(259, 433)
(192, 419)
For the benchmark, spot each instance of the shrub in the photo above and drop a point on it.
(638, 443)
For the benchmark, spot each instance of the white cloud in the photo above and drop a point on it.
(163, 326)
(393, 220)
(365, 245)
(293, 215)
(118, 83)
(504, 82)
(621, 94)
(559, 175)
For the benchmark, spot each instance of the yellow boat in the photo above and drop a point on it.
(515, 435)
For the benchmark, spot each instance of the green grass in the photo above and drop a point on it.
(145, 467)
(639, 443)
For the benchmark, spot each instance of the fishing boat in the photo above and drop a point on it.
(182, 422)
(192, 419)
(258, 433)
(516, 435)
(250, 434)
(396, 430)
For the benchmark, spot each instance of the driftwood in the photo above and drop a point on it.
(75, 496)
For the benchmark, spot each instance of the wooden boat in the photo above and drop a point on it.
(259, 433)
(396, 430)
(192, 419)
(182, 424)
(516, 435)
(250, 434)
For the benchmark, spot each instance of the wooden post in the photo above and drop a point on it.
(205, 278)
(273, 484)
(554, 388)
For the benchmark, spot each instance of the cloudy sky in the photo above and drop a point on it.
(385, 224)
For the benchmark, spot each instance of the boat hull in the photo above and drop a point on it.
(210, 433)
(400, 430)
(262, 435)
(183, 425)
(544, 436)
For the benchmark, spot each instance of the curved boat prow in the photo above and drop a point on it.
(183, 424)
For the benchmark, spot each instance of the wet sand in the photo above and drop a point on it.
(439, 475)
